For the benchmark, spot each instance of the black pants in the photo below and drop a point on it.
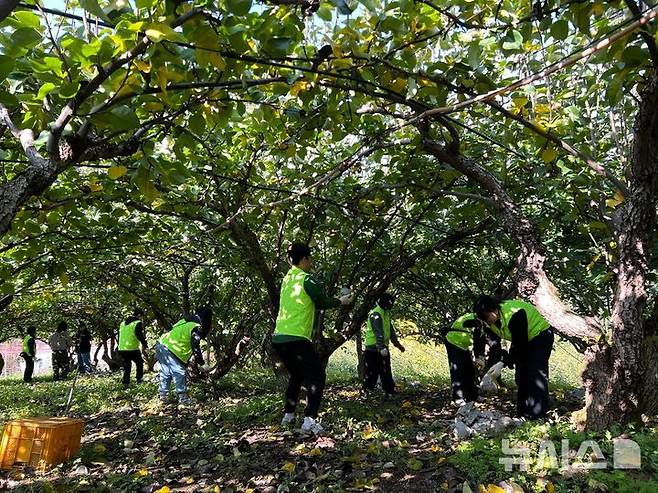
(304, 366)
(128, 357)
(61, 365)
(29, 368)
(377, 367)
(532, 376)
(462, 374)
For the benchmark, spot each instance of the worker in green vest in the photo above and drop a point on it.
(301, 296)
(29, 353)
(532, 342)
(175, 348)
(464, 336)
(377, 358)
(131, 335)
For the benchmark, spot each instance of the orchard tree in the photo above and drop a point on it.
(386, 133)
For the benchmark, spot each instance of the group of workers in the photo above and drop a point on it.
(473, 340)
(173, 351)
(480, 332)
(60, 343)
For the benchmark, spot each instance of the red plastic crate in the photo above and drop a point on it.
(40, 442)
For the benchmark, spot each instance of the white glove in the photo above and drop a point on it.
(205, 368)
(383, 352)
(346, 299)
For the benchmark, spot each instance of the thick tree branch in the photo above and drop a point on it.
(531, 278)
(70, 110)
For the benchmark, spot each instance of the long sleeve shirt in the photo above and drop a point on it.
(377, 324)
(518, 327)
(316, 292)
(141, 337)
(197, 335)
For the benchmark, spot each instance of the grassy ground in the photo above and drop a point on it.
(231, 440)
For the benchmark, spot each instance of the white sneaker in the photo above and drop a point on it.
(310, 425)
(287, 419)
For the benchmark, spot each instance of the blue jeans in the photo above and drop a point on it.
(170, 368)
(84, 363)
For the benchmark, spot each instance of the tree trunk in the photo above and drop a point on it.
(649, 377)
(622, 378)
(13, 194)
(359, 354)
(612, 376)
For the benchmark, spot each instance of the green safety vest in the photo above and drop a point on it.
(26, 345)
(536, 323)
(179, 339)
(371, 338)
(127, 338)
(461, 336)
(296, 308)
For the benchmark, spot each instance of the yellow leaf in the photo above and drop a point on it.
(64, 279)
(616, 200)
(299, 86)
(550, 488)
(367, 433)
(548, 154)
(164, 76)
(141, 473)
(142, 65)
(164, 489)
(217, 60)
(288, 467)
(217, 489)
(162, 82)
(100, 448)
(406, 405)
(95, 186)
(541, 108)
(399, 84)
(116, 172)
(132, 85)
(316, 452)
(492, 488)
(598, 9)
(158, 32)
